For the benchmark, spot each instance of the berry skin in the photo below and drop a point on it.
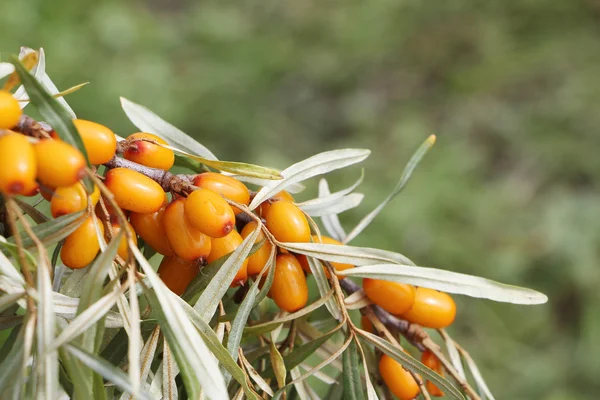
(289, 289)
(432, 309)
(186, 241)
(431, 361)
(10, 111)
(149, 154)
(58, 163)
(393, 297)
(19, 165)
(226, 186)
(208, 212)
(222, 246)
(264, 207)
(287, 223)
(32, 189)
(123, 250)
(70, 199)
(81, 246)
(100, 142)
(325, 240)
(366, 324)
(400, 382)
(177, 273)
(150, 228)
(259, 259)
(112, 214)
(134, 191)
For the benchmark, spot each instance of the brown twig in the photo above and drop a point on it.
(30, 127)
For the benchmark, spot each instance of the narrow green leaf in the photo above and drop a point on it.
(53, 112)
(316, 165)
(53, 231)
(448, 281)
(323, 286)
(353, 387)
(481, 385)
(331, 222)
(36, 215)
(170, 371)
(411, 364)
(7, 300)
(278, 365)
(406, 174)
(104, 368)
(12, 365)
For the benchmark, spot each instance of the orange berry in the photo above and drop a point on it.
(70, 199)
(431, 309)
(400, 382)
(366, 324)
(150, 228)
(100, 142)
(186, 241)
(226, 186)
(289, 289)
(47, 192)
(58, 163)
(325, 240)
(147, 153)
(264, 207)
(10, 111)
(431, 361)
(287, 223)
(177, 273)
(394, 297)
(32, 189)
(220, 247)
(123, 250)
(81, 246)
(209, 213)
(18, 164)
(112, 214)
(259, 259)
(133, 191)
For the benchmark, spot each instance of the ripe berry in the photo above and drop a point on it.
(394, 297)
(100, 142)
(336, 265)
(134, 191)
(19, 166)
(400, 382)
(10, 111)
(186, 241)
(123, 250)
(32, 189)
(177, 273)
(81, 246)
(150, 228)
(287, 223)
(431, 361)
(112, 214)
(209, 213)
(263, 210)
(259, 259)
(225, 245)
(289, 289)
(149, 154)
(226, 186)
(431, 309)
(70, 199)
(58, 163)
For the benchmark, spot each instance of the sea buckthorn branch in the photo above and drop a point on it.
(30, 127)
(415, 334)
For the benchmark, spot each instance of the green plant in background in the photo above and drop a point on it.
(114, 328)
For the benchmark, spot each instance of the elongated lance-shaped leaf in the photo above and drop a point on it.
(171, 370)
(197, 366)
(26, 56)
(54, 113)
(316, 165)
(47, 356)
(323, 201)
(146, 356)
(255, 376)
(147, 121)
(278, 365)
(274, 324)
(12, 365)
(483, 387)
(353, 388)
(9, 299)
(408, 170)
(135, 335)
(53, 231)
(347, 254)
(209, 300)
(301, 389)
(323, 286)
(331, 222)
(371, 393)
(107, 370)
(411, 364)
(453, 354)
(8, 269)
(293, 188)
(448, 281)
(345, 203)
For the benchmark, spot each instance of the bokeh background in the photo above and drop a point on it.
(511, 88)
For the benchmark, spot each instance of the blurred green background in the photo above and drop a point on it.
(511, 88)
